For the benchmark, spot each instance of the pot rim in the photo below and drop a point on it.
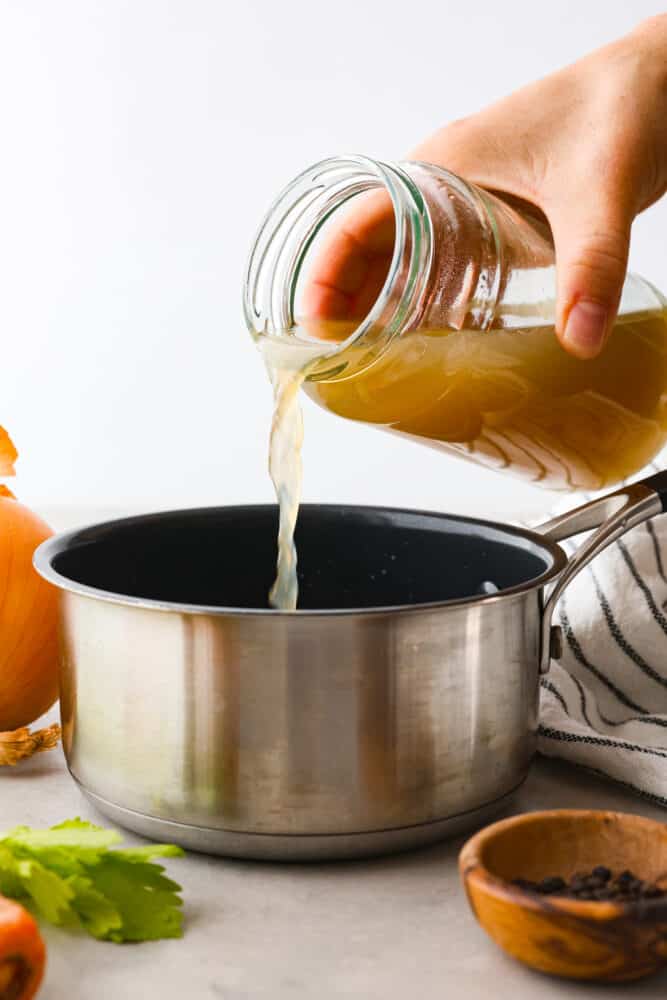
(49, 550)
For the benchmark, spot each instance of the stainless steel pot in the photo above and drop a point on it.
(397, 707)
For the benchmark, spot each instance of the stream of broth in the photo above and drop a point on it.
(505, 398)
(285, 469)
(288, 362)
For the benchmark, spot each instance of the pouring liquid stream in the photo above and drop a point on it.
(285, 469)
(288, 364)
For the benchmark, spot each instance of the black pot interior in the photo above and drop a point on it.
(349, 557)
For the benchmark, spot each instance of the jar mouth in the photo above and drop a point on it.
(284, 240)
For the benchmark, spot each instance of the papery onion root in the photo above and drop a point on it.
(21, 743)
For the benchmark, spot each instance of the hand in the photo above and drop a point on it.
(587, 145)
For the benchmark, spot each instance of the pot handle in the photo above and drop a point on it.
(612, 515)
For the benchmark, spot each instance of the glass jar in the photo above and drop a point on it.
(452, 342)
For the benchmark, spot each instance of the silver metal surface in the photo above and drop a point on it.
(294, 847)
(308, 734)
(300, 725)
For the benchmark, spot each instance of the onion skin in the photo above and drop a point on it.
(28, 621)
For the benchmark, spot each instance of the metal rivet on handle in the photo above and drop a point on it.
(556, 642)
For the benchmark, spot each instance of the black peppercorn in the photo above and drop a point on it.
(599, 885)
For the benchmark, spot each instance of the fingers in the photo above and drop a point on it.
(578, 162)
(351, 264)
(592, 242)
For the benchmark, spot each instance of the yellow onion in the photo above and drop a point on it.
(28, 611)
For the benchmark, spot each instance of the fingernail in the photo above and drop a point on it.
(586, 327)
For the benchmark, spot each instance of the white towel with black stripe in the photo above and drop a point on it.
(604, 703)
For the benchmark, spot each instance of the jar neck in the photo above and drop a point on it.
(469, 253)
(448, 270)
(285, 239)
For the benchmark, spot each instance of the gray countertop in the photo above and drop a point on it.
(390, 928)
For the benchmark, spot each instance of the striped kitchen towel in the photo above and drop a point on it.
(604, 703)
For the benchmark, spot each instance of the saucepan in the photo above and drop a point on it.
(397, 706)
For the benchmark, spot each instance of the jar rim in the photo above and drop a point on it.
(274, 265)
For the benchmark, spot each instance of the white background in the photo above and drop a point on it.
(141, 143)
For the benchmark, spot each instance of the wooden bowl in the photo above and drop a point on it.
(605, 941)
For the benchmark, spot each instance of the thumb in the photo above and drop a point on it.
(592, 247)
